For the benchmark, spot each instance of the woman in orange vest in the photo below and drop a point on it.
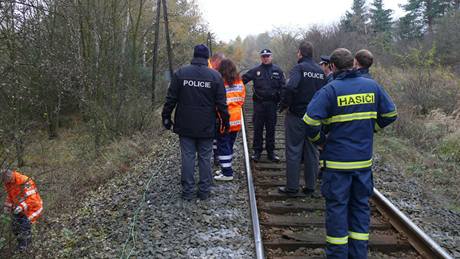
(236, 93)
(24, 202)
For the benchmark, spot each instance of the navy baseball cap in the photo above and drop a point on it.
(265, 52)
(325, 59)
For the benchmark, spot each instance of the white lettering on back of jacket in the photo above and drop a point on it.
(195, 83)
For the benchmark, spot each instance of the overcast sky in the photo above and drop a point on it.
(230, 18)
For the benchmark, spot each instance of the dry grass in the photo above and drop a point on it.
(425, 141)
(67, 167)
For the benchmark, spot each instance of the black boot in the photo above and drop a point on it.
(273, 157)
(256, 157)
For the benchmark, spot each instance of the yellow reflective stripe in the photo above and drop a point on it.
(316, 138)
(390, 114)
(311, 121)
(337, 240)
(351, 117)
(359, 236)
(348, 165)
(377, 127)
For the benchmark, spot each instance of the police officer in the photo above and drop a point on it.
(268, 80)
(197, 94)
(362, 62)
(325, 64)
(352, 106)
(304, 80)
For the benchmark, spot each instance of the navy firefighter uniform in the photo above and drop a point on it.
(268, 80)
(352, 107)
(197, 94)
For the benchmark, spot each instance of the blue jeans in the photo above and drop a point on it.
(189, 148)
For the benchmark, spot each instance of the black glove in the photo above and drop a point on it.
(167, 123)
(227, 127)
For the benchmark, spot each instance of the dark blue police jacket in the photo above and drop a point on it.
(197, 93)
(352, 107)
(305, 79)
(268, 80)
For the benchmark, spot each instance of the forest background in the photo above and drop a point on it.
(76, 94)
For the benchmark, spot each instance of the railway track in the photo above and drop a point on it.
(293, 227)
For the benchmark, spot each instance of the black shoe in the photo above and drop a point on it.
(256, 157)
(187, 197)
(203, 195)
(311, 193)
(273, 157)
(285, 190)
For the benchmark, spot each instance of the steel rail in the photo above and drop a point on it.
(252, 195)
(419, 239)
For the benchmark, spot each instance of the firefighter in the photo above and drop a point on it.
(305, 79)
(325, 64)
(236, 93)
(268, 79)
(353, 107)
(25, 204)
(362, 62)
(197, 94)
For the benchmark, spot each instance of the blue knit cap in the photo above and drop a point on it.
(201, 51)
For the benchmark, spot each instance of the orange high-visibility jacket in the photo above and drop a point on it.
(22, 192)
(236, 93)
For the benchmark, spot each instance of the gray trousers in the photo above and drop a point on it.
(189, 148)
(297, 145)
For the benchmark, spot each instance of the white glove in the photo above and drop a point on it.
(17, 210)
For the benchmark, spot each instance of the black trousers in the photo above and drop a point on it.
(264, 116)
(22, 229)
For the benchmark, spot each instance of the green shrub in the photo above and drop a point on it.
(449, 147)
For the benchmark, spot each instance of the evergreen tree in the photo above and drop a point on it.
(380, 17)
(421, 15)
(356, 18)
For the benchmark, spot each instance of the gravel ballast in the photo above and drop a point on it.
(426, 210)
(141, 214)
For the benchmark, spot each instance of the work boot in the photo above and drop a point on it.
(273, 157)
(285, 190)
(256, 157)
(311, 193)
(203, 195)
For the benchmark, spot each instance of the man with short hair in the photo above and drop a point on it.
(197, 94)
(268, 79)
(325, 64)
(352, 107)
(304, 80)
(24, 202)
(362, 62)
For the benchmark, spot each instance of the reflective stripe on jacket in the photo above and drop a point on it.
(22, 192)
(350, 106)
(236, 93)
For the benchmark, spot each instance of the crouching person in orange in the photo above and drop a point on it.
(235, 93)
(24, 202)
